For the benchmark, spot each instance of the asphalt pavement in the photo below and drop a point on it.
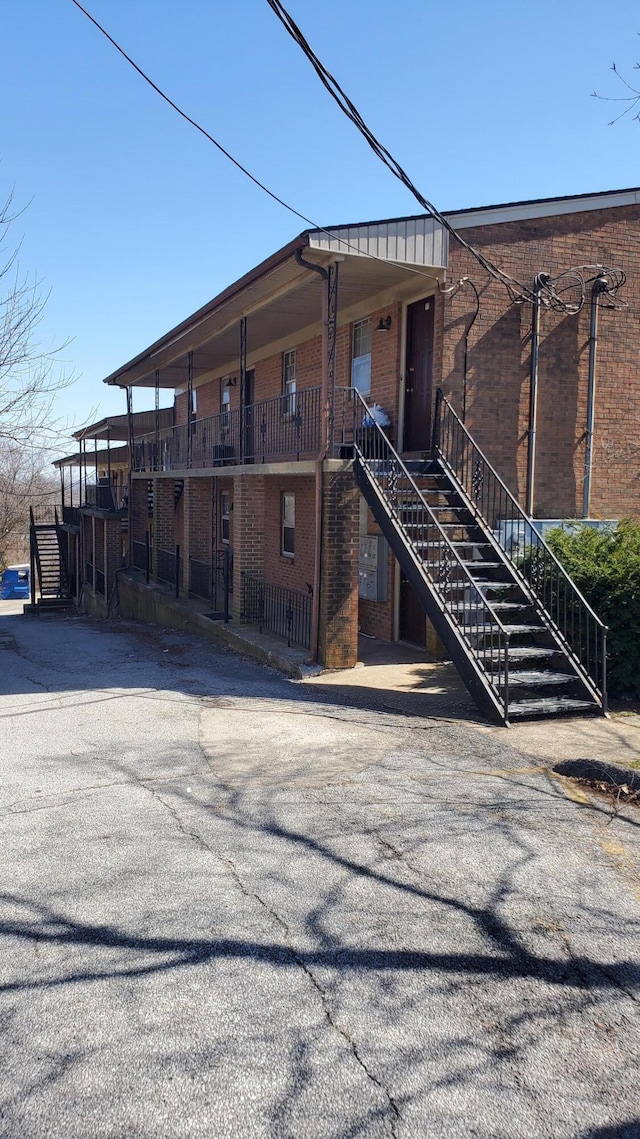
(233, 905)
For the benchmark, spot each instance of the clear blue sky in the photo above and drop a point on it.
(136, 220)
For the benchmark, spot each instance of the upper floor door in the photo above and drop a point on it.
(418, 391)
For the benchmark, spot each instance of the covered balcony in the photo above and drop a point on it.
(224, 359)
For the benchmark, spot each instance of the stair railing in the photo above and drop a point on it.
(484, 637)
(65, 576)
(553, 592)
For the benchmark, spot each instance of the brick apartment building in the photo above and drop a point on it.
(255, 480)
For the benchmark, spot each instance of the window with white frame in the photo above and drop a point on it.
(225, 515)
(225, 403)
(288, 525)
(289, 366)
(361, 356)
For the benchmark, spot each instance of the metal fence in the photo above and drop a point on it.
(213, 581)
(285, 427)
(281, 611)
(139, 555)
(169, 567)
(100, 583)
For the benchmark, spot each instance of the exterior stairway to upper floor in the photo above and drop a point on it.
(522, 637)
(47, 558)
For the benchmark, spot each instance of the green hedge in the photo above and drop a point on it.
(605, 565)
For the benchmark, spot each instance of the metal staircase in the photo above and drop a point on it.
(48, 561)
(522, 637)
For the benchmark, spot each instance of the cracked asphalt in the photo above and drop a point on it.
(235, 906)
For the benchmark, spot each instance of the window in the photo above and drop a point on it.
(225, 515)
(288, 524)
(289, 364)
(225, 403)
(361, 356)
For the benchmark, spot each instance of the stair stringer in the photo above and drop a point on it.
(526, 587)
(472, 674)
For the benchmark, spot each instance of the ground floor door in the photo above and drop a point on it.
(413, 624)
(418, 391)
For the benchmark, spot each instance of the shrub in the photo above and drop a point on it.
(605, 566)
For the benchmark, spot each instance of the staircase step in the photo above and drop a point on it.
(532, 652)
(550, 706)
(539, 678)
(478, 563)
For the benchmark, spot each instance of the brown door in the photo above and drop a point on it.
(418, 376)
(413, 622)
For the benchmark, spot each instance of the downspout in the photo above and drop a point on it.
(129, 394)
(465, 374)
(540, 281)
(324, 442)
(600, 285)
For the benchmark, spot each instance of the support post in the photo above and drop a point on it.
(130, 478)
(599, 286)
(332, 332)
(533, 395)
(177, 571)
(156, 459)
(189, 403)
(243, 385)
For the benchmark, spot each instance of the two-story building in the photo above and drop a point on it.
(300, 386)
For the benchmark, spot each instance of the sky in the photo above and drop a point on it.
(134, 220)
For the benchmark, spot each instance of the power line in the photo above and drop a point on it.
(243, 169)
(544, 291)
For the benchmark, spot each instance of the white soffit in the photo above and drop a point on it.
(409, 241)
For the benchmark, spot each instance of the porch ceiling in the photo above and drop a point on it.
(282, 297)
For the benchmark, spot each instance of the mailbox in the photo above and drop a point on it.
(372, 567)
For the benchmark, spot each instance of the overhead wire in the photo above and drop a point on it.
(243, 169)
(544, 291)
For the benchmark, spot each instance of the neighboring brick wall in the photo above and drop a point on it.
(499, 362)
(163, 518)
(248, 533)
(297, 572)
(339, 572)
(195, 507)
(139, 514)
(113, 551)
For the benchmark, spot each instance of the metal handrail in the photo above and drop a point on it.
(466, 582)
(442, 399)
(471, 471)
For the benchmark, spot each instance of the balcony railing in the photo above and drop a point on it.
(285, 427)
(281, 611)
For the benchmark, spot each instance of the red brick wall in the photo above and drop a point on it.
(499, 359)
(297, 572)
(339, 571)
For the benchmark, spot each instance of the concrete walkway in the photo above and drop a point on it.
(231, 906)
(399, 678)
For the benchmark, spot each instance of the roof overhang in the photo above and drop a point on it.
(282, 297)
(114, 457)
(116, 427)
